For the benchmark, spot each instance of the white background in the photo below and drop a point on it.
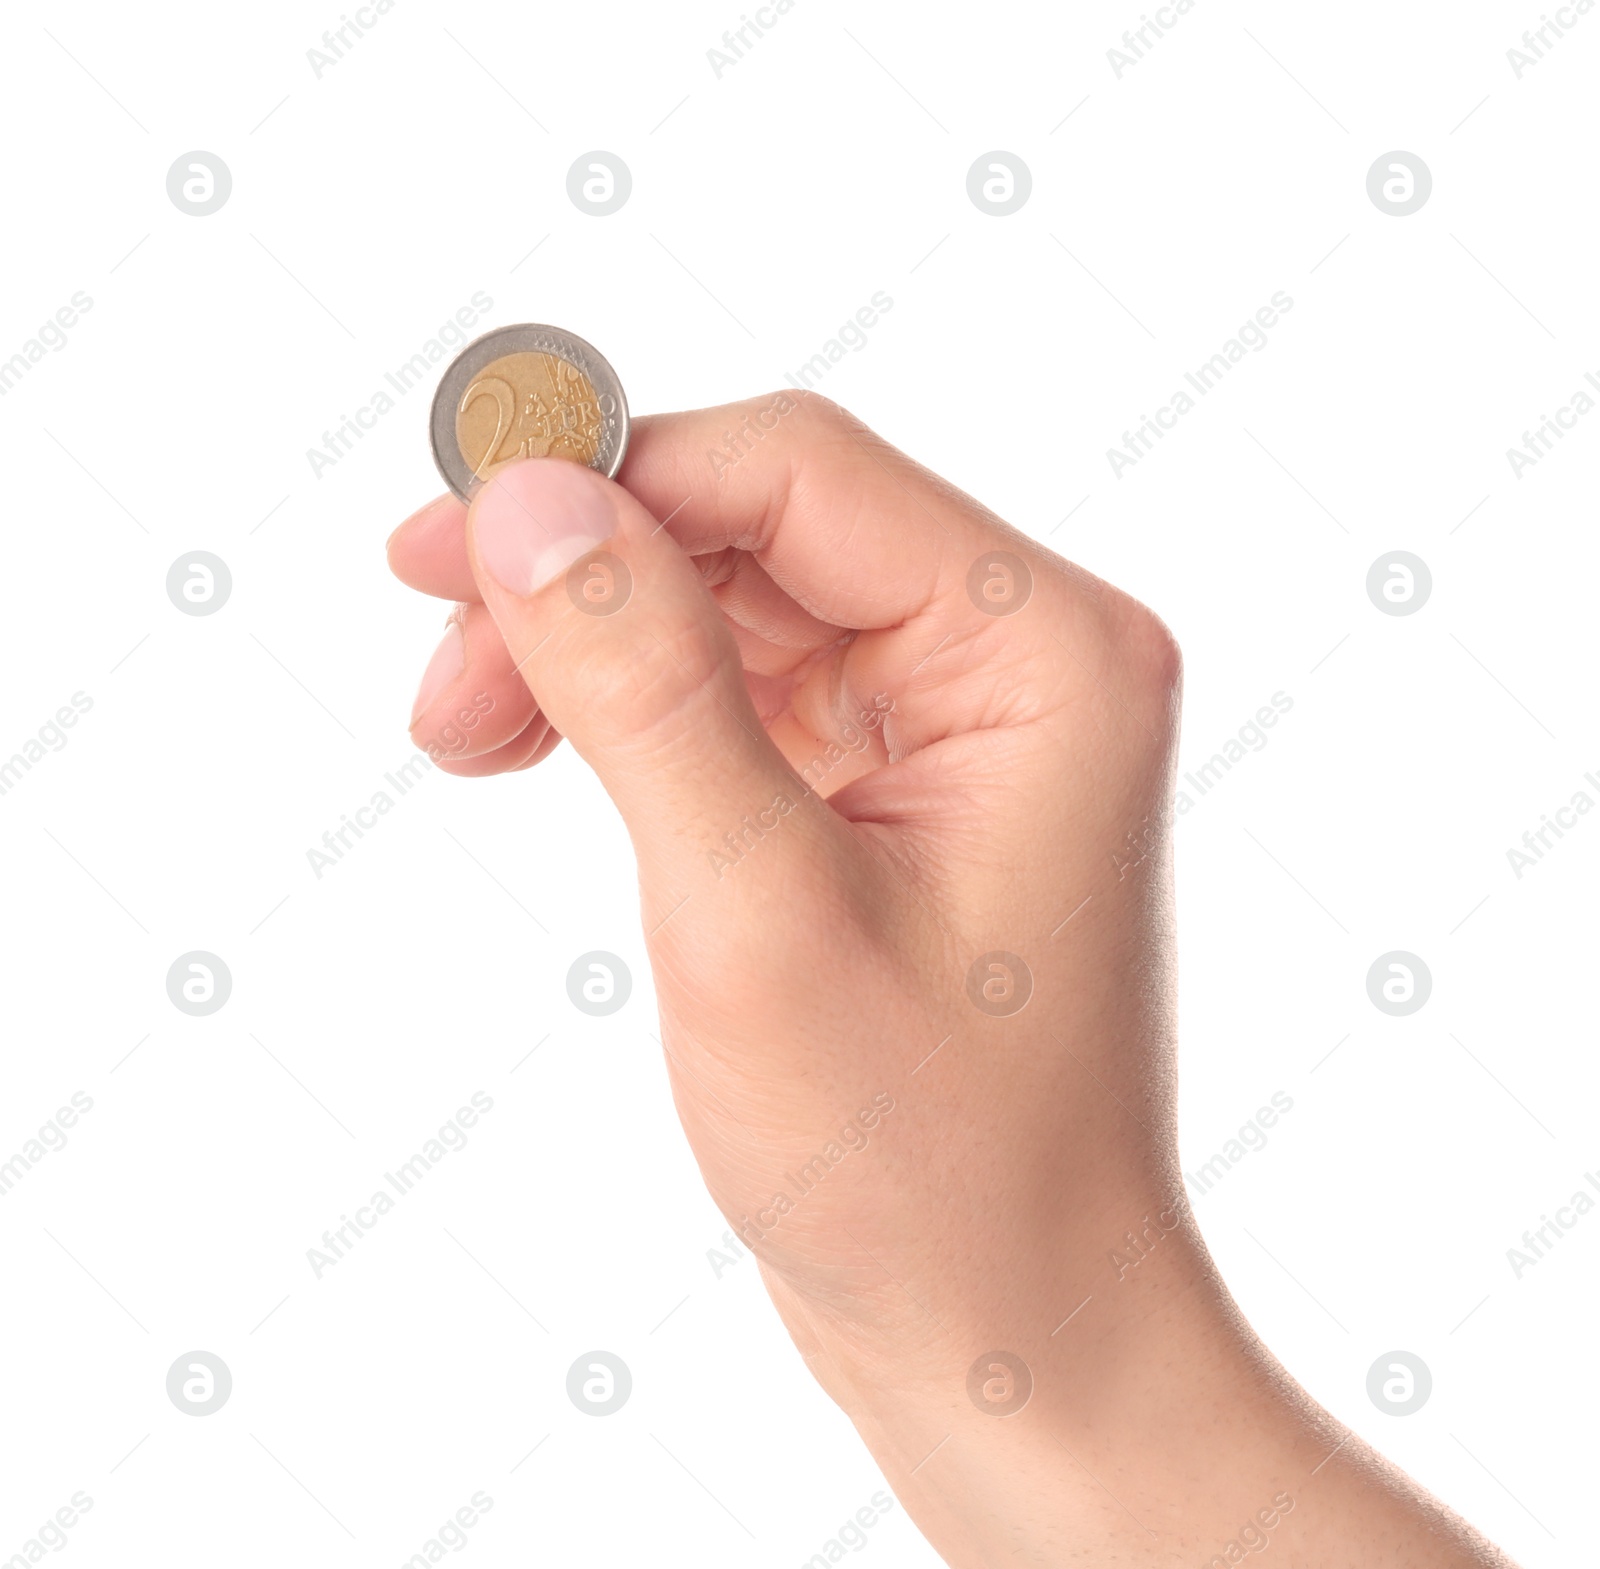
(768, 205)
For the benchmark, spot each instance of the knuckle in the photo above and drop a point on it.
(1115, 632)
(691, 651)
(1146, 647)
(819, 417)
(644, 691)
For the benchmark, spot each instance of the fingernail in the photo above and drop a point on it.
(449, 660)
(535, 518)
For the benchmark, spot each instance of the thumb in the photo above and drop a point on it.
(621, 643)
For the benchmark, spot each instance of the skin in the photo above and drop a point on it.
(991, 1177)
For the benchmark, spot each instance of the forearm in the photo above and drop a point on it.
(1157, 1431)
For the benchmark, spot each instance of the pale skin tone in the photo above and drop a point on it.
(998, 784)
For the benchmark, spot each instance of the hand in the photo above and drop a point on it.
(899, 784)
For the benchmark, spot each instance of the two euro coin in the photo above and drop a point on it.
(527, 391)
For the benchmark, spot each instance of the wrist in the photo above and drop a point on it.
(1147, 1426)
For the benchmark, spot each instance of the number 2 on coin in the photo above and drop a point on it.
(505, 403)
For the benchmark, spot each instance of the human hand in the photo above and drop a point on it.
(899, 783)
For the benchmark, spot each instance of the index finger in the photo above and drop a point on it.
(855, 531)
(846, 524)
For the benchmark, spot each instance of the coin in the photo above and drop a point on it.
(528, 391)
